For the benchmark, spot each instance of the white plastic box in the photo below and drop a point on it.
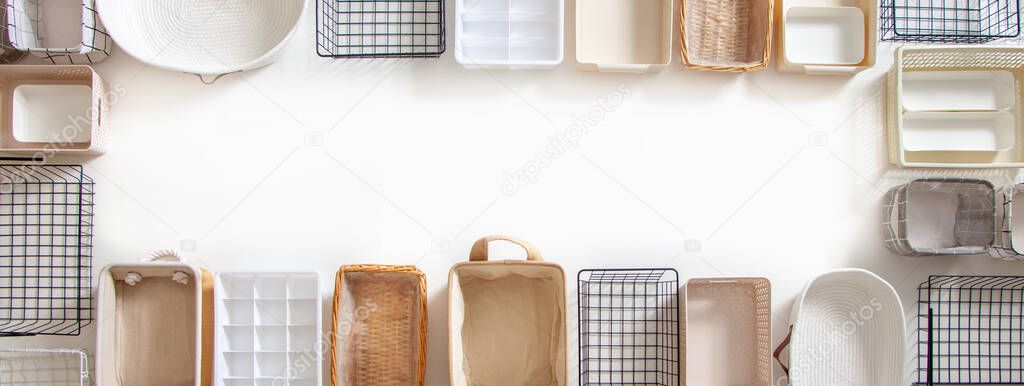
(268, 329)
(955, 107)
(52, 109)
(623, 35)
(509, 34)
(830, 37)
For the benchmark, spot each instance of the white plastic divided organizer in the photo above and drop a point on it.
(826, 36)
(955, 107)
(623, 35)
(509, 33)
(268, 329)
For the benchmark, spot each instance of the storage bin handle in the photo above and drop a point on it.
(480, 248)
(830, 70)
(166, 255)
(782, 346)
(210, 79)
(634, 68)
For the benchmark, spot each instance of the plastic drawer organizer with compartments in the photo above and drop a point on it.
(623, 35)
(268, 329)
(954, 216)
(830, 37)
(52, 109)
(629, 326)
(956, 107)
(509, 33)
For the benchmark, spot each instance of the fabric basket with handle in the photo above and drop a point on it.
(506, 320)
(379, 326)
(846, 328)
(155, 324)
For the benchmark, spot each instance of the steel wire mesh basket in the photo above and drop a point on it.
(43, 367)
(45, 249)
(948, 21)
(380, 28)
(629, 327)
(969, 330)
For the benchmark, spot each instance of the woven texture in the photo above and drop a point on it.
(726, 35)
(848, 329)
(973, 223)
(202, 36)
(376, 344)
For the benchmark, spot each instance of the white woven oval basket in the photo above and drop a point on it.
(203, 37)
(847, 328)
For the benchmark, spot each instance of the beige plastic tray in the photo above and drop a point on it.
(52, 109)
(977, 88)
(727, 334)
(827, 37)
(623, 35)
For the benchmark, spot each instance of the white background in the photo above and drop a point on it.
(763, 174)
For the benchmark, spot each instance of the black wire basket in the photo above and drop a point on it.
(380, 28)
(629, 327)
(969, 330)
(948, 21)
(45, 249)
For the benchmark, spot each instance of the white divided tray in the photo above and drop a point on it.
(825, 35)
(958, 111)
(268, 329)
(509, 33)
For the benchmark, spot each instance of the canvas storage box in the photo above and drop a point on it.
(52, 109)
(727, 332)
(846, 329)
(956, 107)
(379, 326)
(506, 320)
(155, 324)
(623, 35)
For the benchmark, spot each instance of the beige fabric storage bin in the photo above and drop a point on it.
(379, 326)
(155, 324)
(53, 109)
(507, 320)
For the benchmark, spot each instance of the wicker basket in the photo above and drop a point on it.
(726, 35)
(379, 325)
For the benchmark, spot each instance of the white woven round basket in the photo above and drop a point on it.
(203, 37)
(847, 328)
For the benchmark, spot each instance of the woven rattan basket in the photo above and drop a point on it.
(379, 324)
(726, 35)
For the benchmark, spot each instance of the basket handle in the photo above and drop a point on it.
(831, 70)
(202, 78)
(782, 346)
(634, 68)
(480, 248)
(165, 255)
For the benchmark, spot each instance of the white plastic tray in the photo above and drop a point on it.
(268, 329)
(509, 33)
(958, 131)
(41, 112)
(957, 90)
(825, 35)
(623, 35)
